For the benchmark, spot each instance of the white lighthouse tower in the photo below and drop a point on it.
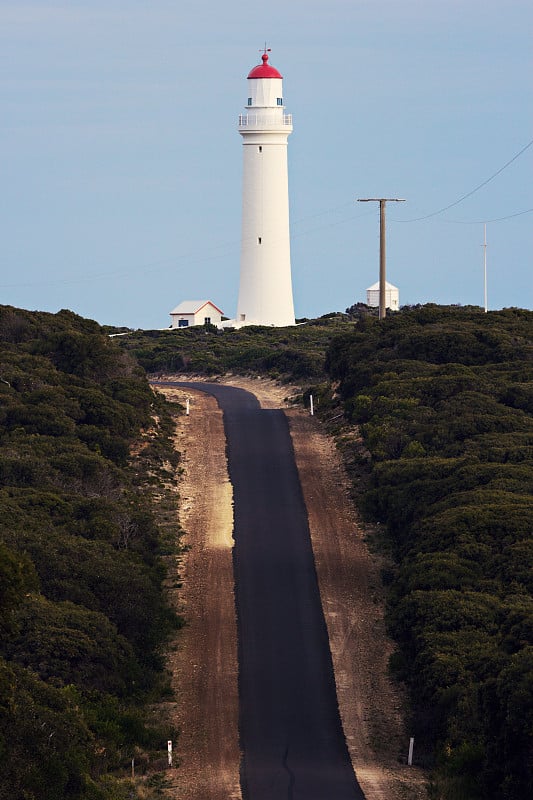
(265, 291)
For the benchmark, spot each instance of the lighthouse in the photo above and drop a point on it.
(265, 290)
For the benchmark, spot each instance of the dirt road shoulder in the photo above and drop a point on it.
(204, 664)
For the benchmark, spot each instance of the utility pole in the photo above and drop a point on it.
(382, 247)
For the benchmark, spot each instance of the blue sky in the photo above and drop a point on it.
(120, 161)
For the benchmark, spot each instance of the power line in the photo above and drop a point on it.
(172, 262)
(473, 191)
(165, 265)
(484, 221)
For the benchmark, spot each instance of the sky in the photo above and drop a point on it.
(121, 163)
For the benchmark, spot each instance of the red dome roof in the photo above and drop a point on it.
(264, 70)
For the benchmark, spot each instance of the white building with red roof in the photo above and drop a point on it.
(195, 312)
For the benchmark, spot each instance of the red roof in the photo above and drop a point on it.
(264, 70)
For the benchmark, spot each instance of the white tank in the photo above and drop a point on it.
(265, 290)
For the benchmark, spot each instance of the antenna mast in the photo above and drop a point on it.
(484, 246)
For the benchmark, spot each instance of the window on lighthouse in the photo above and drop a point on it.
(249, 101)
(280, 101)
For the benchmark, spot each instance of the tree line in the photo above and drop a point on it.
(295, 353)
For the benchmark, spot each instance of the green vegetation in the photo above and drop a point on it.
(294, 353)
(444, 401)
(443, 398)
(83, 616)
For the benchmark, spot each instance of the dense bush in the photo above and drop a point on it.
(295, 353)
(83, 615)
(443, 400)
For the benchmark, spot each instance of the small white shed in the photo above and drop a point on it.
(195, 312)
(392, 296)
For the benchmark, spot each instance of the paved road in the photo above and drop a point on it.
(291, 736)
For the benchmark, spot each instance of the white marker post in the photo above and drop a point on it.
(187, 406)
(410, 756)
(169, 745)
(311, 407)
